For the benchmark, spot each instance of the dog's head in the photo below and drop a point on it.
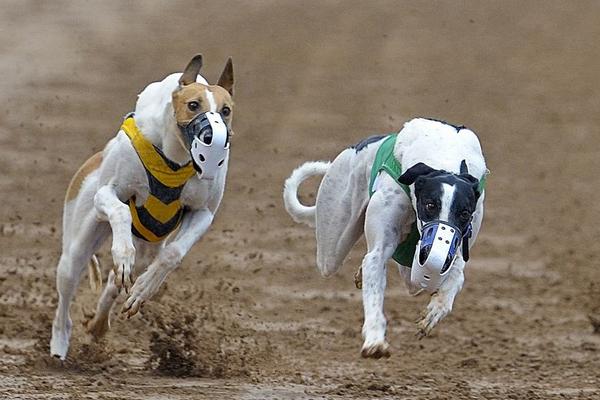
(443, 196)
(445, 203)
(204, 115)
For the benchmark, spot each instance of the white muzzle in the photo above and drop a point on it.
(435, 255)
(209, 143)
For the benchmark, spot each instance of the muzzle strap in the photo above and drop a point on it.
(465, 243)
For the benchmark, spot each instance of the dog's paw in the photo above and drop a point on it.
(376, 350)
(135, 301)
(141, 291)
(358, 278)
(98, 326)
(437, 309)
(132, 305)
(59, 344)
(124, 259)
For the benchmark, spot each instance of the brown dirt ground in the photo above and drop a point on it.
(247, 316)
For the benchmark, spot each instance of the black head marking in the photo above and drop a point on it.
(410, 175)
(431, 186)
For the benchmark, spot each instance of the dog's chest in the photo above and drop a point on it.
(161, 210)
(157, 211)
(196, 193)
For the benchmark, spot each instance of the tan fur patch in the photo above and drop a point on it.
(222, 98)
(197, 92)
(185, 95)
(92, 164)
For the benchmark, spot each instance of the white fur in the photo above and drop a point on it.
(211, 100)
(447, 198)
(99, 209)
(343, 211)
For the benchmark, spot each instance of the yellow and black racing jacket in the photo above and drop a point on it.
(162, 211)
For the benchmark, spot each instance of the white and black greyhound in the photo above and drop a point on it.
(418, 196)
(156, 187)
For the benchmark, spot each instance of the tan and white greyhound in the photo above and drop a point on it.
(153, 178)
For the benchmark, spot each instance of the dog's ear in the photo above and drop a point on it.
(226, 79)
(463, 167)
(473, 181)
(464, 173)
(191, 71)
(410, 175)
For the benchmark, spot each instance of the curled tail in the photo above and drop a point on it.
(298, 211)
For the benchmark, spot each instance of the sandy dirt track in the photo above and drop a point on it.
(247, 316)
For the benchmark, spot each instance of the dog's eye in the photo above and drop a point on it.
(465, 215)
(193, 105)
(226, 111)
(430, 206)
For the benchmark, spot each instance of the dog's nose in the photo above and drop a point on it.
(207, 137)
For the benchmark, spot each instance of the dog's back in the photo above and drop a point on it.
(439, 145)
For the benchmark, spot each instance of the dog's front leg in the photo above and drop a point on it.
(442, 301)
(113, 210)
(194, 226)
(386, 213)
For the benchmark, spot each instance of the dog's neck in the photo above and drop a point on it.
(160, 128)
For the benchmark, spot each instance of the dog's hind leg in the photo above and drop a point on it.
(99, 325)
(340, 210)
(67, 280)
(77, 252)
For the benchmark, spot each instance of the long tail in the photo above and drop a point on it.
(298, 211)
(95, 274)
